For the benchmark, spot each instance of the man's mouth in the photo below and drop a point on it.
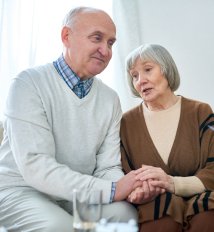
(98, 58)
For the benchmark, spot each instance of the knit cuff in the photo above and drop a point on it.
(188, 186)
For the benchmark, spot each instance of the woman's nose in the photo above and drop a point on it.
(141, 79)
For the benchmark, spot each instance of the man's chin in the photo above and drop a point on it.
(97, 71)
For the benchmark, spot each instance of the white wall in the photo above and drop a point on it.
(186, 29)
(30, 35)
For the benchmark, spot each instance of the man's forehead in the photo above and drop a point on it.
(96, 19)
(93, 27)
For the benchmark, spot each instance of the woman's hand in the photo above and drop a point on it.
(145, 193)
(125, 186)
(157, 177)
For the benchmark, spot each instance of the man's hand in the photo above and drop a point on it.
(126, 185)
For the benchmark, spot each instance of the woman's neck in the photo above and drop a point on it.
(162, 104)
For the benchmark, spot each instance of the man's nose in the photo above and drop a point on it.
(104, 49)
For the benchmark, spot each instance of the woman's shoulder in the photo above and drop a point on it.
(194, 108)
(133, 112)
(193, 104)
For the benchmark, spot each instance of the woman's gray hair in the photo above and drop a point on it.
(159, 55)
(71, 18)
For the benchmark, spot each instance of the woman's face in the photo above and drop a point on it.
(149, 82)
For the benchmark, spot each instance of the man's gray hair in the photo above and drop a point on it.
(70, 17)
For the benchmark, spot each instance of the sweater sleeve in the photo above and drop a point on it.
(109, 156)
(188, 186)
(34, 150)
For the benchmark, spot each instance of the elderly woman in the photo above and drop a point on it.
(169, 140)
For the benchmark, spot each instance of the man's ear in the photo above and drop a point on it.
(65, 35)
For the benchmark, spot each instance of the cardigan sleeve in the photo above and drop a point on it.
(126, 160)
(206, 129)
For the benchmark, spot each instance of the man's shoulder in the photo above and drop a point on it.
(35, 71)
(32, 79)
(36, 75)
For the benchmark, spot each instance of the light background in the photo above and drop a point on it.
(30, 35)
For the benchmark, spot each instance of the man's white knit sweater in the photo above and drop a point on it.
(56, 142)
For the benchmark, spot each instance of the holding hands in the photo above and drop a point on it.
(126, 185)
(154, 181)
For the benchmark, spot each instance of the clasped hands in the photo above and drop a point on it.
(143, 185)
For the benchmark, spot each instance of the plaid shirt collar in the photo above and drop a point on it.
(80, 88)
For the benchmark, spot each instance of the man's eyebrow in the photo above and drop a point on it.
(101, 33)
(96, 33)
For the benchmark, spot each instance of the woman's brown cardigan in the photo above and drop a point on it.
(192, 154)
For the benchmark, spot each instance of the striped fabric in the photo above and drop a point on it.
(79, 87)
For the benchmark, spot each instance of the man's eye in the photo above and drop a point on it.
(96, 38)
(111, 42)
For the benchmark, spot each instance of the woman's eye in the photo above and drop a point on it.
(148, 69)
(134, 77)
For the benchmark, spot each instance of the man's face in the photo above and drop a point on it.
(88, 49)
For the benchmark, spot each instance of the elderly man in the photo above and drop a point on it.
(62, 132)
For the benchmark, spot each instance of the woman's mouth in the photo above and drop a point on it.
(147, 91)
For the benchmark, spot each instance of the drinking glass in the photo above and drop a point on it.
(87, 209)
